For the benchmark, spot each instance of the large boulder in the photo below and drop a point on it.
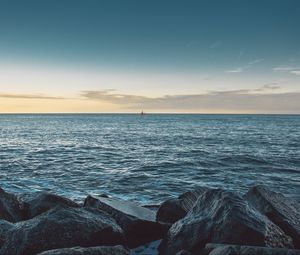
(175, 209)
(138, 223)
(284, 212)
(11, 209)
(39, 202)
(222, 217)
(98, 250)
(62, 227)
(226, 249)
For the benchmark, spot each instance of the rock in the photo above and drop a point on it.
(39, 202)
(98, 250)
(11, 209)
(222, 217)
(63, 227)
(147, 249)
(284, 212)
(5, 226)
(225, 249)
(184, 252)
(138, 223)
(152, 207)
(175, 209)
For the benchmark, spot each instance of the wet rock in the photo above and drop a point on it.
(225, 249)
(98, 250)
(175, 209)
(152, 207)
(284, 212)
(63, 227)
(11, 209)
(222, 217)
(138, 223)
(184, 252)
(5, 226)
(146, 249)
(39, 202)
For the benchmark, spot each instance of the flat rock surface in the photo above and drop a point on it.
(138, 223)
(129, 208)
(283, 211)
(62, 227)
(99, 250)
(222, 217)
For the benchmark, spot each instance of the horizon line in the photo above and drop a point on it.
(137, 113)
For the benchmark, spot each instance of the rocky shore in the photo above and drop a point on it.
(202, 221)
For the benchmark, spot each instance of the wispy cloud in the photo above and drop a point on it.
(272, 86)
(30, 96)
(244, 100)
(243, 68)
(287, 69)
(237, 70)
(284, 68)
(256, 61)
(296, 72)
(216, 44)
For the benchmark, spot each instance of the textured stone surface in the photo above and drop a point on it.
(62, 227)
(175, 209)
(98, 250)
(5, 226)
(11, 209)
(39, 202)
(225, 249)
(138, 223)
(284, 212)
(222, 217)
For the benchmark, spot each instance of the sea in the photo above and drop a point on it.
(148, 158)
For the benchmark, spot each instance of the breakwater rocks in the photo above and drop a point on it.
(202, 221)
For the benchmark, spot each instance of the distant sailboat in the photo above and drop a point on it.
(142, 112)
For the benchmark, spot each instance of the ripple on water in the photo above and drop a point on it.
(148, 159)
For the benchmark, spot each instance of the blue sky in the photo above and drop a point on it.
(100, 56)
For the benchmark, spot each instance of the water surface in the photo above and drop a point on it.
(148, 158)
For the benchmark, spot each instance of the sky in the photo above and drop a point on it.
(234, 56)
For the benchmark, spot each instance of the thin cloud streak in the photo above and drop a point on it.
(237, 70)
(243, 68)
(223, 101)
(30, 96)
(256, 61)
(296, 72)
(287, 69)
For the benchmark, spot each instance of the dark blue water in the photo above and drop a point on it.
(148, 158)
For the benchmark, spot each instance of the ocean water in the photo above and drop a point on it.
(148, 158)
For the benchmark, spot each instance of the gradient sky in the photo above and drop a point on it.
(234, 56)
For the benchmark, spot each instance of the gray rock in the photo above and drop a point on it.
(98, 250)
(39, 202)
(138, 223)
(284, 212)
(148, 248)
(175, 209)
(225, 249)
(62, 227)
(5, 227)
(222, 217)
(184, 252)
(153, 207)
(11, 209)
